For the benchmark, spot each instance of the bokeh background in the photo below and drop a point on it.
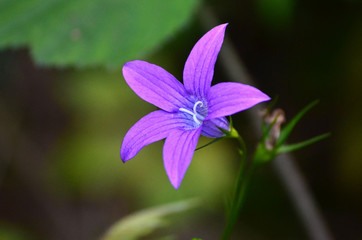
(65, 107)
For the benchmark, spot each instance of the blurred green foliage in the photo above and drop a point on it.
(9, 232)
(276, 14)
(145, 222)
(90, 32)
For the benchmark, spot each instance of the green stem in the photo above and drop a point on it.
(242, 182)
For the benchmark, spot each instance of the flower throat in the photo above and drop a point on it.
(197, 117)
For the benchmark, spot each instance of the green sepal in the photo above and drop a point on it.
(284, 133)
(296, 146)
(226, 132)
(230, 122)
(232, 133)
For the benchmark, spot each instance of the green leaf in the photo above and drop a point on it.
(90, 32)
(145, 222)
(293, 147)
(284, 133)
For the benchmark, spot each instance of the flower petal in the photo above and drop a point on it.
(210, 128)
(151, 128)
(155, 85)
(199, 66)
(228, 98)
(177, 153)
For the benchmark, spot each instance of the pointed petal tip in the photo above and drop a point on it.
(134, 64)
(265, 98)
(261, 97)
(222, 27)
(178, 150)
(174, 180)
(124, 157)
(128, 65)
(199, 67)
(126, 152)
(228, 98)
(176, 185)
(125, 68)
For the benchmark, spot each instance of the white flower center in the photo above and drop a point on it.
(195, 115)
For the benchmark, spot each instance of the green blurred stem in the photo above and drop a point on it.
(242, 182)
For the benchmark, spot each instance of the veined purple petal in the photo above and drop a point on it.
(151, 128)
(199, 66)
(210, 128)
(177, 153)
(228, 98)
(155, 85)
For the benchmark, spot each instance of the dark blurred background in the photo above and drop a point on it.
(63, 117)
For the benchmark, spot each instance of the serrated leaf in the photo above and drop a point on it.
(90, 32)
(284, 133)
(145, 222)
(296, 146)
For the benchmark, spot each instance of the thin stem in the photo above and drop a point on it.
(242, 181)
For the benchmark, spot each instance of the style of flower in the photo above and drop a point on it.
(187, 111)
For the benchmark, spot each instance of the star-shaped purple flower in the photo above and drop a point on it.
(186, 110)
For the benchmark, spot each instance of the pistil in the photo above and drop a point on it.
(195, 115)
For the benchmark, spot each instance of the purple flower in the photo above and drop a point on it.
(186, 110)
